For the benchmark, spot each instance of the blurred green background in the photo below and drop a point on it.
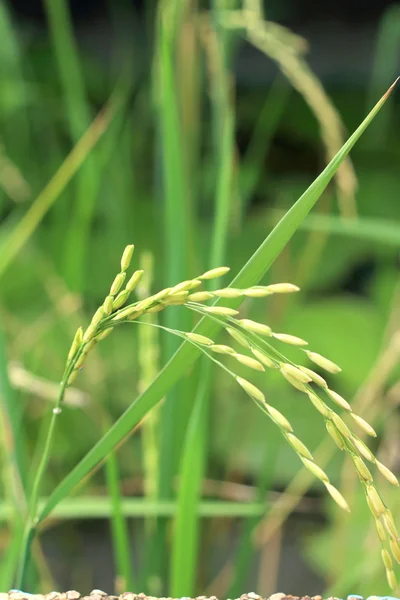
(188, 128)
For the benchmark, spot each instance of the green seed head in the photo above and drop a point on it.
(117, 284)
(127, 257)
(134, 280)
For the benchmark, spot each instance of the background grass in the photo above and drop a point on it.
(195, 169)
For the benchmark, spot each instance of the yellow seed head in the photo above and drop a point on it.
(386, 559)
(315, 470)
(104, 334)
(120, 299)
(228, 293)
(134, 280)
(294, 382)
(387, 473)
(251, 389)
(238, 337)
(249, 362)
(176, 299)
(395, 550)
(391, 578)
(279, 418)
(340, 425)
(380, 530)
(127, 257)
(264, 359)
(364, 425)
(223, 311)
(362, 469)
(108, 305)
(299, 446)
(314, 377)
(117, 284)
(222, 349)
(363, 449)
(258, 291)
(337, 496)
(335, 435)
(338, 399)
(214, 273)
(390, 525)
(319, 405)
(77, 341)
(200, 296)
(282, 288)
(185, 286)
(292, 340)
(295, 372)
(256, 327)
(323, 362)
(199, 339)
(376, 504)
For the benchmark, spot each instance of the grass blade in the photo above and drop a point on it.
(250, 274)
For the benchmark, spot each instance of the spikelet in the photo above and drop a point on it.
(73, 376)
(323, 362)
(337, 496)
(256, 327)
(279, 418)
(391, 578)
(222, 349)
(251, 389)
(89, 333)
(102, 336)
(292, 340)
(77, 341)
(339, 400)
(387, 473)
(364, 425)
(228, 293)
(314, 377)
(214, 273)
(362, 469)
(120, 299)
(363, 449)
(299, 446)
(375, 501)
(200, 296)
(294, 382)
(185, 286)
(199, 339)
(223, 311)
(335, 435)
(288, 369)
(381, 531)
(341, 426)
(97, 317)
(257, 291)
(127, 257)
(108, 305)
(252, 363)
(390, 525)
(319, 405)
(238, 337)
(264, 359)
(315, 470)
(129, 311)
(134, 280)
(386, 559)
(117, 284)
(282, 288)
(176, 299)
(395, 550)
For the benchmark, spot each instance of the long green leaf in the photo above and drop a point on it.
(250, 274)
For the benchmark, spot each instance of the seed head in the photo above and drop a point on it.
(120, 299)
(200, 296)
(323, 362)
(364, 425)
(127, 257)
(315, 470)
(282, 288)
(238, 337)
(338, 399)
(199, 339)
(117, 284)
(279, 418)
(134, 280)
(228, 293)
(256, 327)
(77, 341)
(319, 405)
(249, 362)
(387, 473)
(224, 311)
(292, 340)
(222, 349)
(288, 369)
(299, 446)
(251, 389)
(337, 496)
(264, 359)
(214, 273)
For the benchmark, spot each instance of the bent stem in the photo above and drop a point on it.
(33, 520)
